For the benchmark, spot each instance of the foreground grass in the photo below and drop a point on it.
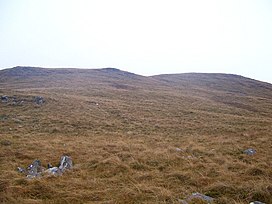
(136, 169)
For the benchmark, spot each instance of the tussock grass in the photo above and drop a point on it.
(122, 132)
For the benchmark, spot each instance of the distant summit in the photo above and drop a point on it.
(85, 77)
(110, 69)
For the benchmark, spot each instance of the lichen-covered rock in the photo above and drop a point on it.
(53, 171)
(65, 163)
(250, 151)
(35, 169)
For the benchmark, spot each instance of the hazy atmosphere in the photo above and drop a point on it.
(145, 37)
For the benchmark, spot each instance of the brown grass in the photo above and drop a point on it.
(124, 148)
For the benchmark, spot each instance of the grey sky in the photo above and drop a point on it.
(145, 36)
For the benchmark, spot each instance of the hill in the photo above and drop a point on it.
(135, 139)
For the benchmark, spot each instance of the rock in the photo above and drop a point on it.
(250, 151)
(178, 149)
(16, 102)
(4, 99)
(199, 196)
(65, 163)
(39, 100)
(257, 202)
(53, 171)
(35, 169)
(21, 170)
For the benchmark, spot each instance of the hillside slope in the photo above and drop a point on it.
(123, 130)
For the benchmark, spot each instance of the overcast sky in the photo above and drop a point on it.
(142, 36)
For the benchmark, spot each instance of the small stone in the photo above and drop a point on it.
(21, 170)
(250, 151)
(53, 171)
(39, 100)
(257, 202)
(65, 163)
(4, 99)
(200, 196)
(35, 168)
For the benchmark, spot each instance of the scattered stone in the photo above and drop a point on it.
(39, 100)
(21, 170)
(257, 202)
(36, 170)
(4, 99)
(200, 196)
(65, 163)
(16, 102)
(178, 149)
(20, 100)
(93, 103)
(250, 151)
(54, 171)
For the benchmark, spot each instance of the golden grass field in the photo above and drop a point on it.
(123, 130)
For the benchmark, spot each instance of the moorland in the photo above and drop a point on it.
(135, 139)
